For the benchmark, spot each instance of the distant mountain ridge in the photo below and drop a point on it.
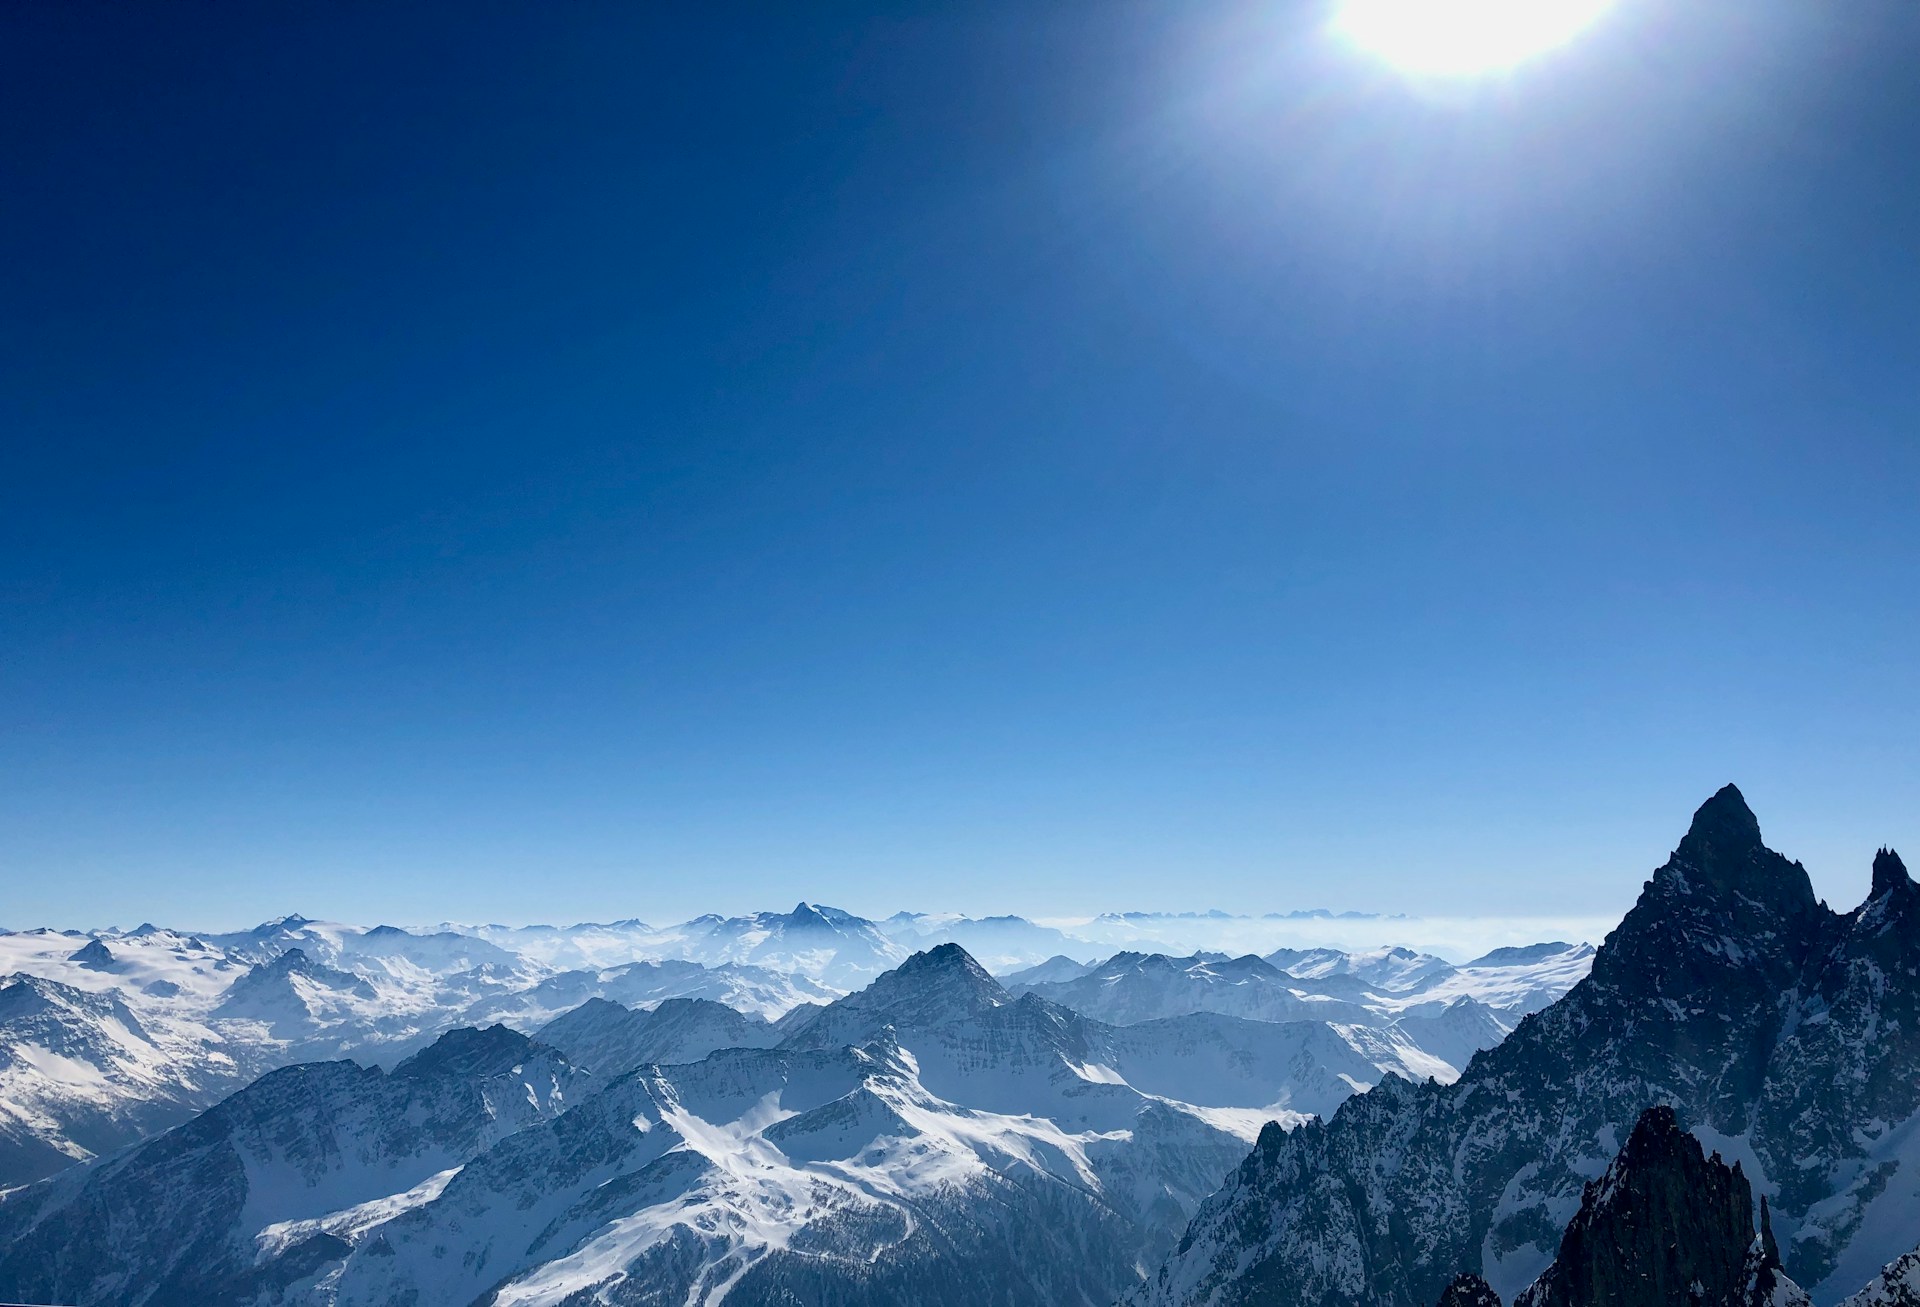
(217, 1009)
(931, 1138)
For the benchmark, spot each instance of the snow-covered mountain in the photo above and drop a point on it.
(1057, 968)
(80, 1074)
(1142, 986)
(839, 949)
(247, 1200)
(211, 1011)
(108, 1038)
(932, 1138)
(214, 1010)
(822, 944)
(1788, 1034)
(1415, 1012)
(999, 943)
(610, 1040)
(1897, 1285)
(760, 991)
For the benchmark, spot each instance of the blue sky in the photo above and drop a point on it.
(555, 462)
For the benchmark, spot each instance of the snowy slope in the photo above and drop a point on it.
(758, 991)
(1897, 1285)
(1143, 986)
(80, 1074)
(932, 1138)
(218, 1009)
(201, 1015)
(825, 945)
(1414, 1015)
(245, 1198)
(611, 1040)
(849, 1159)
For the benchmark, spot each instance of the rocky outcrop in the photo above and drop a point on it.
(1666, 1224)
(1468, 1290)
(1729, 992)
(1897, 1285)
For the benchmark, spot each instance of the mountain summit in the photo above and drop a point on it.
(1729, 992)
(930, 988)
(1889, 875)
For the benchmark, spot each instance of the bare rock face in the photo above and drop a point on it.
(1729, 991)
(1468, 1290)
(1665, 1224)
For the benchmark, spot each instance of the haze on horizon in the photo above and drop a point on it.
(573, 463)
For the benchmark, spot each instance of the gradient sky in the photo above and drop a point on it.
(544, 462)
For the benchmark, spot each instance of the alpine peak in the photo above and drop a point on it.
(1889, 874)
(945, 960)
(1724, 827)
(1723, 855)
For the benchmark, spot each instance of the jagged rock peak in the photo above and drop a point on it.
(1722, 854)
(1724, 831)
(1767, 1282)
(1468, 1290)
(1665, 1224)
(1889, 874)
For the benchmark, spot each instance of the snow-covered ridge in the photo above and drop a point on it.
(932, 1138)
(202, 1013)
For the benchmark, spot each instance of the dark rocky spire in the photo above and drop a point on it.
(1889, 874)
(1723, 858)
(1665, 1224)
(1724, 827)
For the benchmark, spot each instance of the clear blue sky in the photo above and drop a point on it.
(540, 462)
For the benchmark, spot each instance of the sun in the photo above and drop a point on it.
(1461, 37)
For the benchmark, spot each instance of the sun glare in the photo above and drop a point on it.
(1462, 37)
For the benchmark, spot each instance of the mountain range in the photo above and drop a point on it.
(931, 1138)
(107, 1038)
(1720, 1105)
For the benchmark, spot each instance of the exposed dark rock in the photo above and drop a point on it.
(1729, 992)
(1665, 1224)
(1468, 1290)
(1889, 875)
